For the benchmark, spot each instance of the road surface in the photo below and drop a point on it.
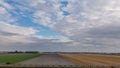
(49, 60)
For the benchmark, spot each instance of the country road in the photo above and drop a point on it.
(49, 59)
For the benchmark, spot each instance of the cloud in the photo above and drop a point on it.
(13, 34)
(5, 4)
(16, 29)
(7, 33)
(108, 31)
(15, 37)
(7, 16)
(92, 25)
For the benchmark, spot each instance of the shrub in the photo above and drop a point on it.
(8, 63)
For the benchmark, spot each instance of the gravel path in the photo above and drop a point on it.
(50, 60)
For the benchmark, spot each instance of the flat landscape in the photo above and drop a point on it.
(56, 60)
(49, 60)
(94, 59)
(14, 58)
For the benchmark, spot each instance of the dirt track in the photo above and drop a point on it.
(49, 59)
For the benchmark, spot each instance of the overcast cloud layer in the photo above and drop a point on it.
(79, 25)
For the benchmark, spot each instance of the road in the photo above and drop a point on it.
(49, 60)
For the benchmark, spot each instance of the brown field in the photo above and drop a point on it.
(94, 59)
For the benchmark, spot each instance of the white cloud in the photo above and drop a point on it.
(92, 23)
(12, 40)
(85, 16)
(16, 29)
(5, 4)
(2, 10)
(62, 40)
(7, 16)
(43, 18)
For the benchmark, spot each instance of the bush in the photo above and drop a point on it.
(8, 63)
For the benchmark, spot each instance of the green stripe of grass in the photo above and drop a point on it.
(14, 58)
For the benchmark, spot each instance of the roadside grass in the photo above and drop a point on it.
(14, 58)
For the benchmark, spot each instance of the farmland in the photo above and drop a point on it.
(14, 58)
(59, 60)
(94, 59)
(35, 60)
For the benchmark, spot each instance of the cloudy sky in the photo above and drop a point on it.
(60, 25)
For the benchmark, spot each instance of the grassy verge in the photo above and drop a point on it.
(14, 58)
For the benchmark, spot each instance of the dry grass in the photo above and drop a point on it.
(94, 59)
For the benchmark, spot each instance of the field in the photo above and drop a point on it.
(14, 58)
(94, 59)
(25, 60)
(37, 61)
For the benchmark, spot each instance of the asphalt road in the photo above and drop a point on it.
(49, 60)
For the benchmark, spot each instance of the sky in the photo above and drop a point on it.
(60, 25)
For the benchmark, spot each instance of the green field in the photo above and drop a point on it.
(14, 58)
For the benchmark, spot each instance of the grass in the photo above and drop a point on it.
(14, 58)
(94, 59)
(43, 67)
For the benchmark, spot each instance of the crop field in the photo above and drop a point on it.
(94, 59)
(14, 58)
(59, 61)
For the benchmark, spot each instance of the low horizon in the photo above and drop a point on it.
(34, 51)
